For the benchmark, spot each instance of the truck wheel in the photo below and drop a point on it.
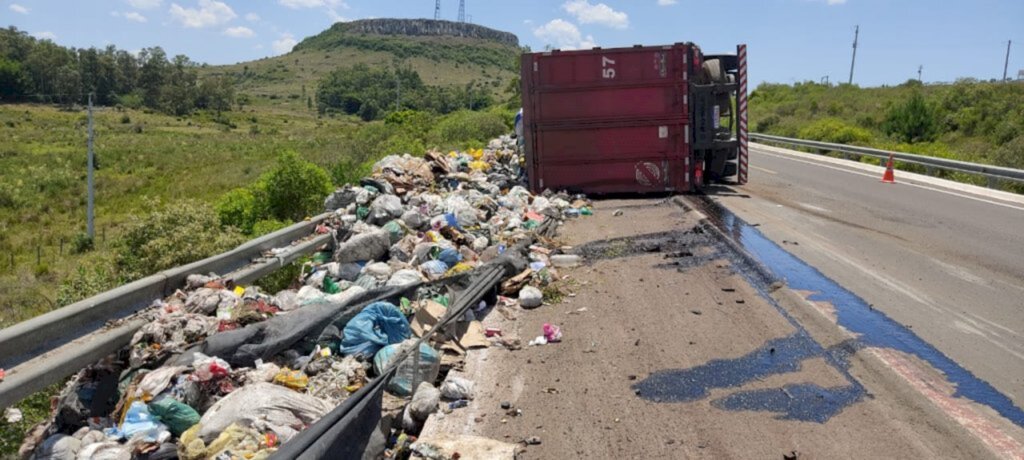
(713, 72)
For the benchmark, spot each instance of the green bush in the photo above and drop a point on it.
(172, 235)
(238, 208)
(911, 121)
(294, 189)
(1011, 154)
(834, 131)
(464, 129)
(350, 172)
(267, 226)
(82, 243)
(85, 282)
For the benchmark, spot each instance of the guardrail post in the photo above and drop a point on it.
(992, 182)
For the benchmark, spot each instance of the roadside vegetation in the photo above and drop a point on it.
(968, 120)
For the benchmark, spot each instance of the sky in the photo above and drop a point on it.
(788, 40)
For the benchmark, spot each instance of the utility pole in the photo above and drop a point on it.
(462, 10)
(90, 213)
(1006, 64)
(398, 85)
(856, 34)
(437, 10)
(919, 69)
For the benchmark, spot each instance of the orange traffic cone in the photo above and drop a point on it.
(888, 177)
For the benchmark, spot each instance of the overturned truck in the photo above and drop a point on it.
(644, 119)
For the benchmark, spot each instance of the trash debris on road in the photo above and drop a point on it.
(226, 371)
(464, 448)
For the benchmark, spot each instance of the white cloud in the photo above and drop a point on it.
(45, 35)
(210, 13)
(239, 32)
(144, 4)
(588, 13)
(296, 4)
(667, 2)
(18, 8)
(335, 17)
(835, 2)
(563, 35)
(252, 17)
(284, 44)
(131, 16)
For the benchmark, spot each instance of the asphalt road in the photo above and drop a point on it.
(670, 351)
(947, 263)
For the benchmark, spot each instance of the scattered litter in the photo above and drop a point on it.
(552, 333)
(424, 402)
(226, 371)
(456, 388)
(13, 415)
(565, 260)
(401, 384)
(464, 448)
(530, 297)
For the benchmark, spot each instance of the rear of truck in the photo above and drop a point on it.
(651, 119)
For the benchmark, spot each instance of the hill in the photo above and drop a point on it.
(444, 53)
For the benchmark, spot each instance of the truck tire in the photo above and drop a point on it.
(713, 72)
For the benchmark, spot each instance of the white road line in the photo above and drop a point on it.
(764, 170)
(947, 192)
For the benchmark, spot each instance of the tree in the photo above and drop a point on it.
(178, 96)
(911, 121)
(216, 93)
(152, 74)
(12, 80)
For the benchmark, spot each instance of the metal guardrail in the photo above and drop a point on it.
(993, 173)
(43, 350)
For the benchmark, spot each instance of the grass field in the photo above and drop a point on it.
(141, 156)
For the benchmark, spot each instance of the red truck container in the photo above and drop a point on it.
(634, 120)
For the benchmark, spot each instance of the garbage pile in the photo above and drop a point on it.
(226, 371)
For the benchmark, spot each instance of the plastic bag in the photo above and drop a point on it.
(456, 388)
(264, 407)
(401, 383)
(434, 269)
(295, 380)
(140, 422)
(450, 257)
(208, 368)
(424, 402)
(177, 415)
(155, 382)
(404, 277)
(378, 325)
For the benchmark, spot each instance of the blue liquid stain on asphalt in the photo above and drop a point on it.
(807, 402)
